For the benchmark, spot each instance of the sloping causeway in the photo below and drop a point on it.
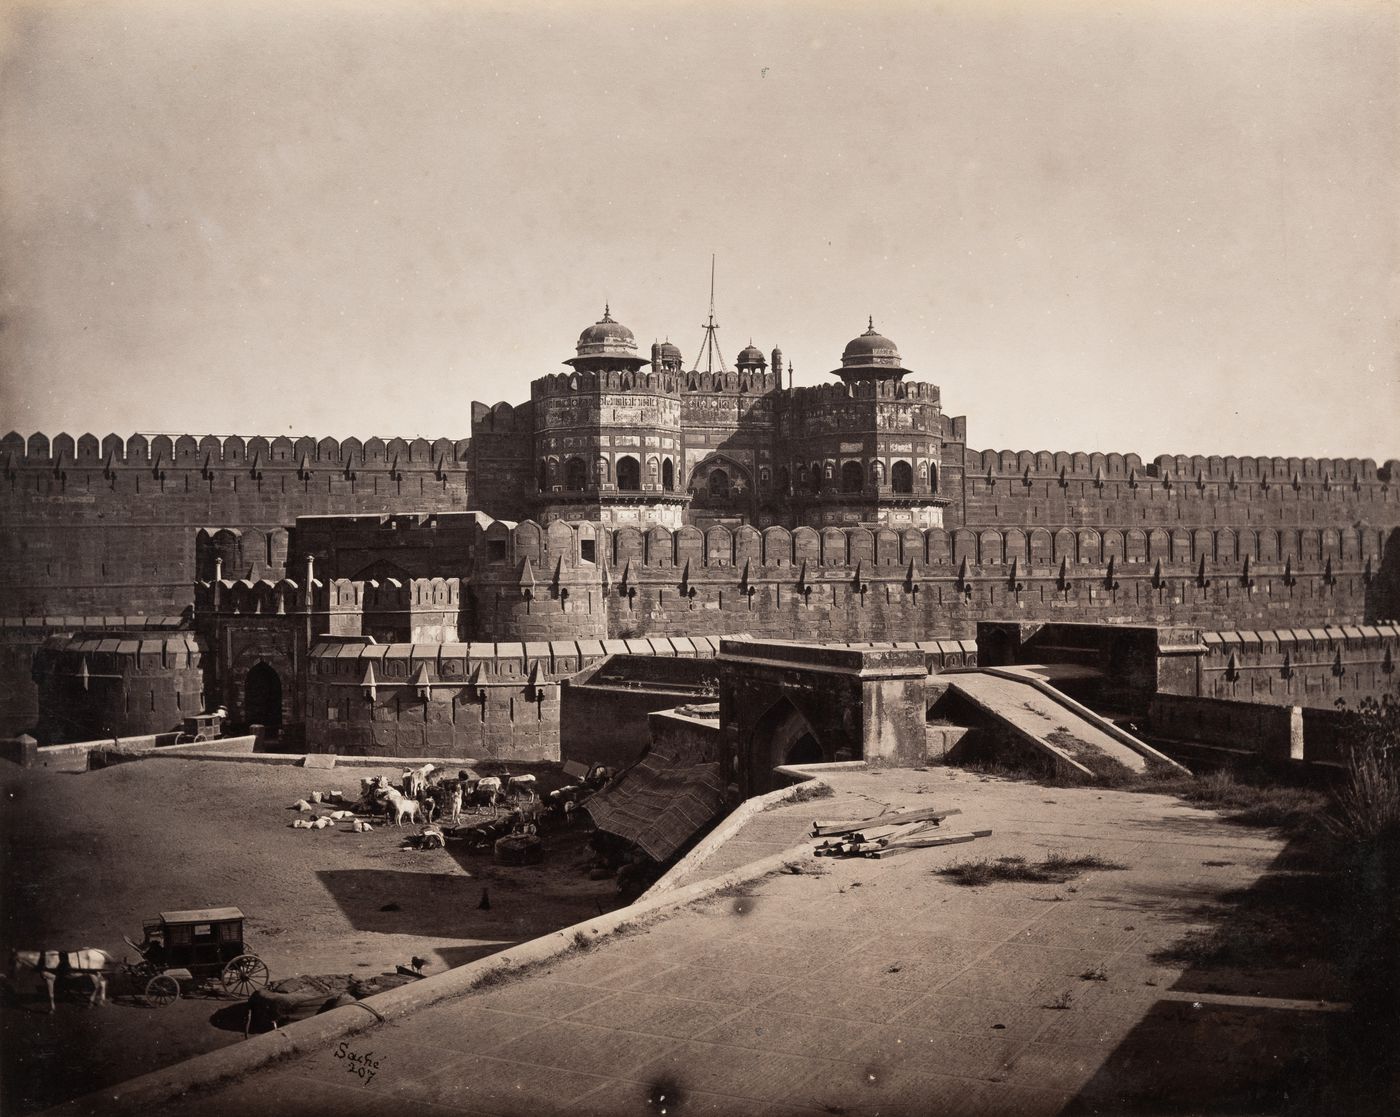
(1052, 722)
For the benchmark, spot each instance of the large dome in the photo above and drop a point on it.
(606, 342)
(871, 356)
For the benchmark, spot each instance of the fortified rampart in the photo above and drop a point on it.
(856, 583)
(112, 684)
(1025, 488)
(477, 699)
(110, 527)
(125, 527)
(1315, 666)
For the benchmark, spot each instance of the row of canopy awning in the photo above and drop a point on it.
(74, 622)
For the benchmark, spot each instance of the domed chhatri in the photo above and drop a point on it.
(751, 357)
(607, 344)
(871, 356)
(666, 357)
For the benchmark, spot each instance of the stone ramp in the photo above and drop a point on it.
(1043, 717)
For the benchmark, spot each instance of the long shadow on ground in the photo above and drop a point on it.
(1308, 929)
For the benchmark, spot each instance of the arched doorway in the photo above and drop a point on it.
(852, 477)
(804, 750)
(262, 698)
(780, 736)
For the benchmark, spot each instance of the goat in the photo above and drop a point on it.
(444, 799)
(487, 792)
(521, 785)
(401, 807)
(415, 779)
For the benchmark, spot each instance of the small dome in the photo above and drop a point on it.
(606, 341)
(671, 351)
(605, 333)
(871, 356)
(751, 356)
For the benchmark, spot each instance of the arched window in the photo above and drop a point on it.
(784, 480)
(575, 475)
(932, 478)
(852, 477)
(629, 474)
(815, 479)
(603, 470)
(544, 476)
(877, 473)
(718, 484)
(902, 477)
(668, 475)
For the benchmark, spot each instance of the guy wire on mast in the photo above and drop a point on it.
(709, 348)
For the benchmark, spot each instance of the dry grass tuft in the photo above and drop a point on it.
(1057, 868)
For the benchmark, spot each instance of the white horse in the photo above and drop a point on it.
(51, 965)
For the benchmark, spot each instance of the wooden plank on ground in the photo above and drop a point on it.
(825, 827)
(888, 833)
(918, 842)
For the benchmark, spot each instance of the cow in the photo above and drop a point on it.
(50, 965)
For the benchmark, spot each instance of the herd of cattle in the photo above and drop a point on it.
(481, 809)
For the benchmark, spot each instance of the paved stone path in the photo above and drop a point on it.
(865, 986)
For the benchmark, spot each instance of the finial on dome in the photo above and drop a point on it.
(872, 323)
(607, 313)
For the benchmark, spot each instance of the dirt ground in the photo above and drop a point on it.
(87, 857)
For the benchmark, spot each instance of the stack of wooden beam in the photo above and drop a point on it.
(886, 834)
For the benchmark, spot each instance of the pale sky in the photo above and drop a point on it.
(1150, 227)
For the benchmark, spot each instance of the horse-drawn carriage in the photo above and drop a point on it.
(197, 947)
(201, 727)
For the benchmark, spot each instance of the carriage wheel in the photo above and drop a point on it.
(162, 990)
(244, 974)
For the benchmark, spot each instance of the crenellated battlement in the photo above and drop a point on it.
(1169, 469)
(213, 452)
(1140, 551)
(826, 395)
(586, 381)
(746, 383)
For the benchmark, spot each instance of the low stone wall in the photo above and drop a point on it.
(1249, 728)
(605, 711)
(77, 757)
